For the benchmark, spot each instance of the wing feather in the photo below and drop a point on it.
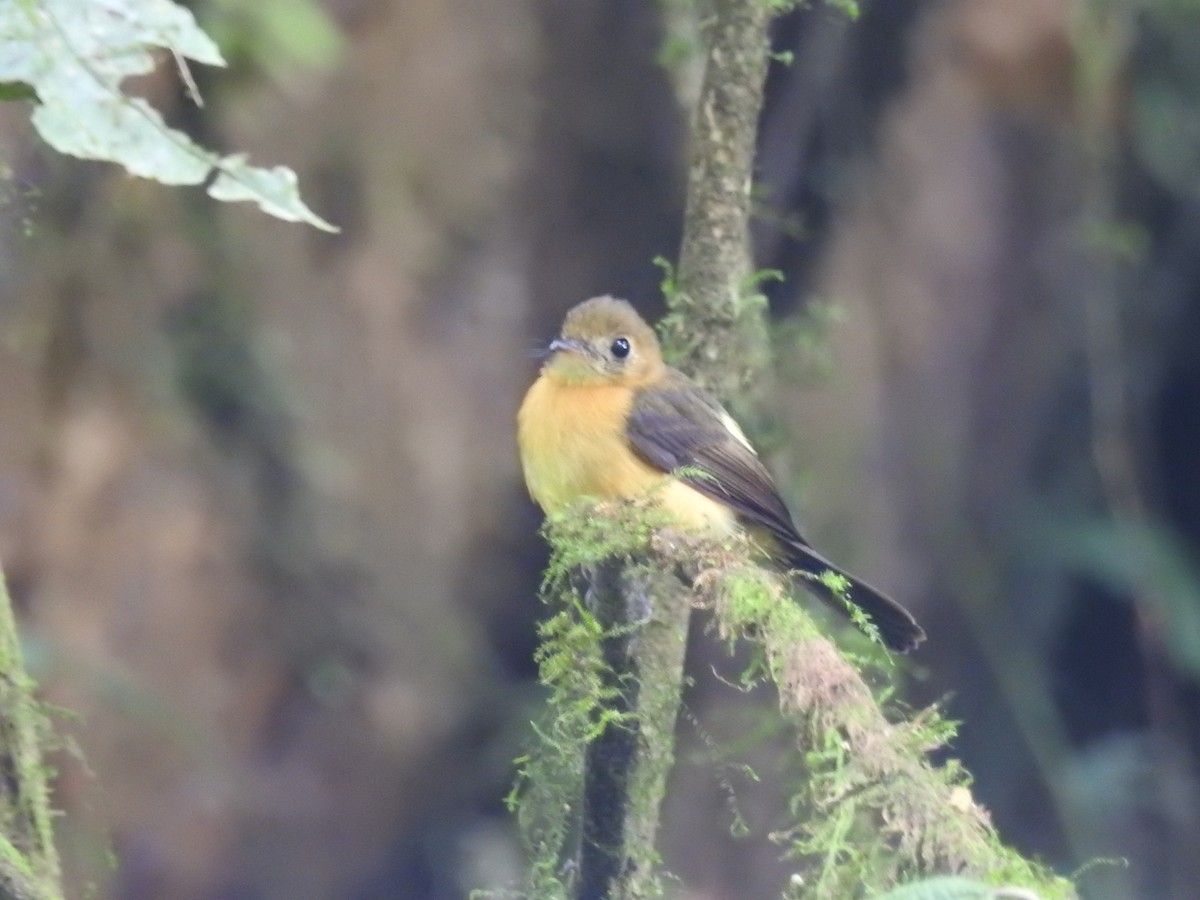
(675, 425)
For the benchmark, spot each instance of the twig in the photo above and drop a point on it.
(185, 75)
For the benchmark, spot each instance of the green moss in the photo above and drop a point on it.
(581, 687)
(873, 811)
(546, 796)
(28, 860)
(588, 534)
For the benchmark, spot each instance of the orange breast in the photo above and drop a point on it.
(573, 446)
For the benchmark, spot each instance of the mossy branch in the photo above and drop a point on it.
(643, 612)
(877, 811)
(29, 867)
(880, 813)
(589, 791)
(716, 328)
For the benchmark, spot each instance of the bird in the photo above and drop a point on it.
(608, 420)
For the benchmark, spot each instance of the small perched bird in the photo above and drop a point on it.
(608, 419)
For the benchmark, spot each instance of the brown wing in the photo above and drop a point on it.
(676, 425)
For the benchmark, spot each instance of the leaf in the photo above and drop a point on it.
(165, 24)
(953, 887)
(274, 190)
(123, 130)
(71, 57)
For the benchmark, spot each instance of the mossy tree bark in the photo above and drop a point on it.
(644, 613)
(644, 609)
(717, 328)
(28, 860)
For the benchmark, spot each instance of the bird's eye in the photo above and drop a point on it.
(620, 348)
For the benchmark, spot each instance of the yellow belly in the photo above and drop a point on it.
(573, 446)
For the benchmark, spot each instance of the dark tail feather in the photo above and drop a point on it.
(896, 625)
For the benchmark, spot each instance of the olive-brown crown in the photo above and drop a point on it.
(604, 339)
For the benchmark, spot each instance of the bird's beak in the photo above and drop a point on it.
(567, 345)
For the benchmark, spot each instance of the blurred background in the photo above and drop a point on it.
(260, 505)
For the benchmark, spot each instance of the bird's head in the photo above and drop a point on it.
(604, 340)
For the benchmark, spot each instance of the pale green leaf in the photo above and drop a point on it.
(953, 887)
(125, 130)
(165, 24)
(274, 190)
(74, 55)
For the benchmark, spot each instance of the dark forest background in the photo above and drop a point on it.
(260, 505)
